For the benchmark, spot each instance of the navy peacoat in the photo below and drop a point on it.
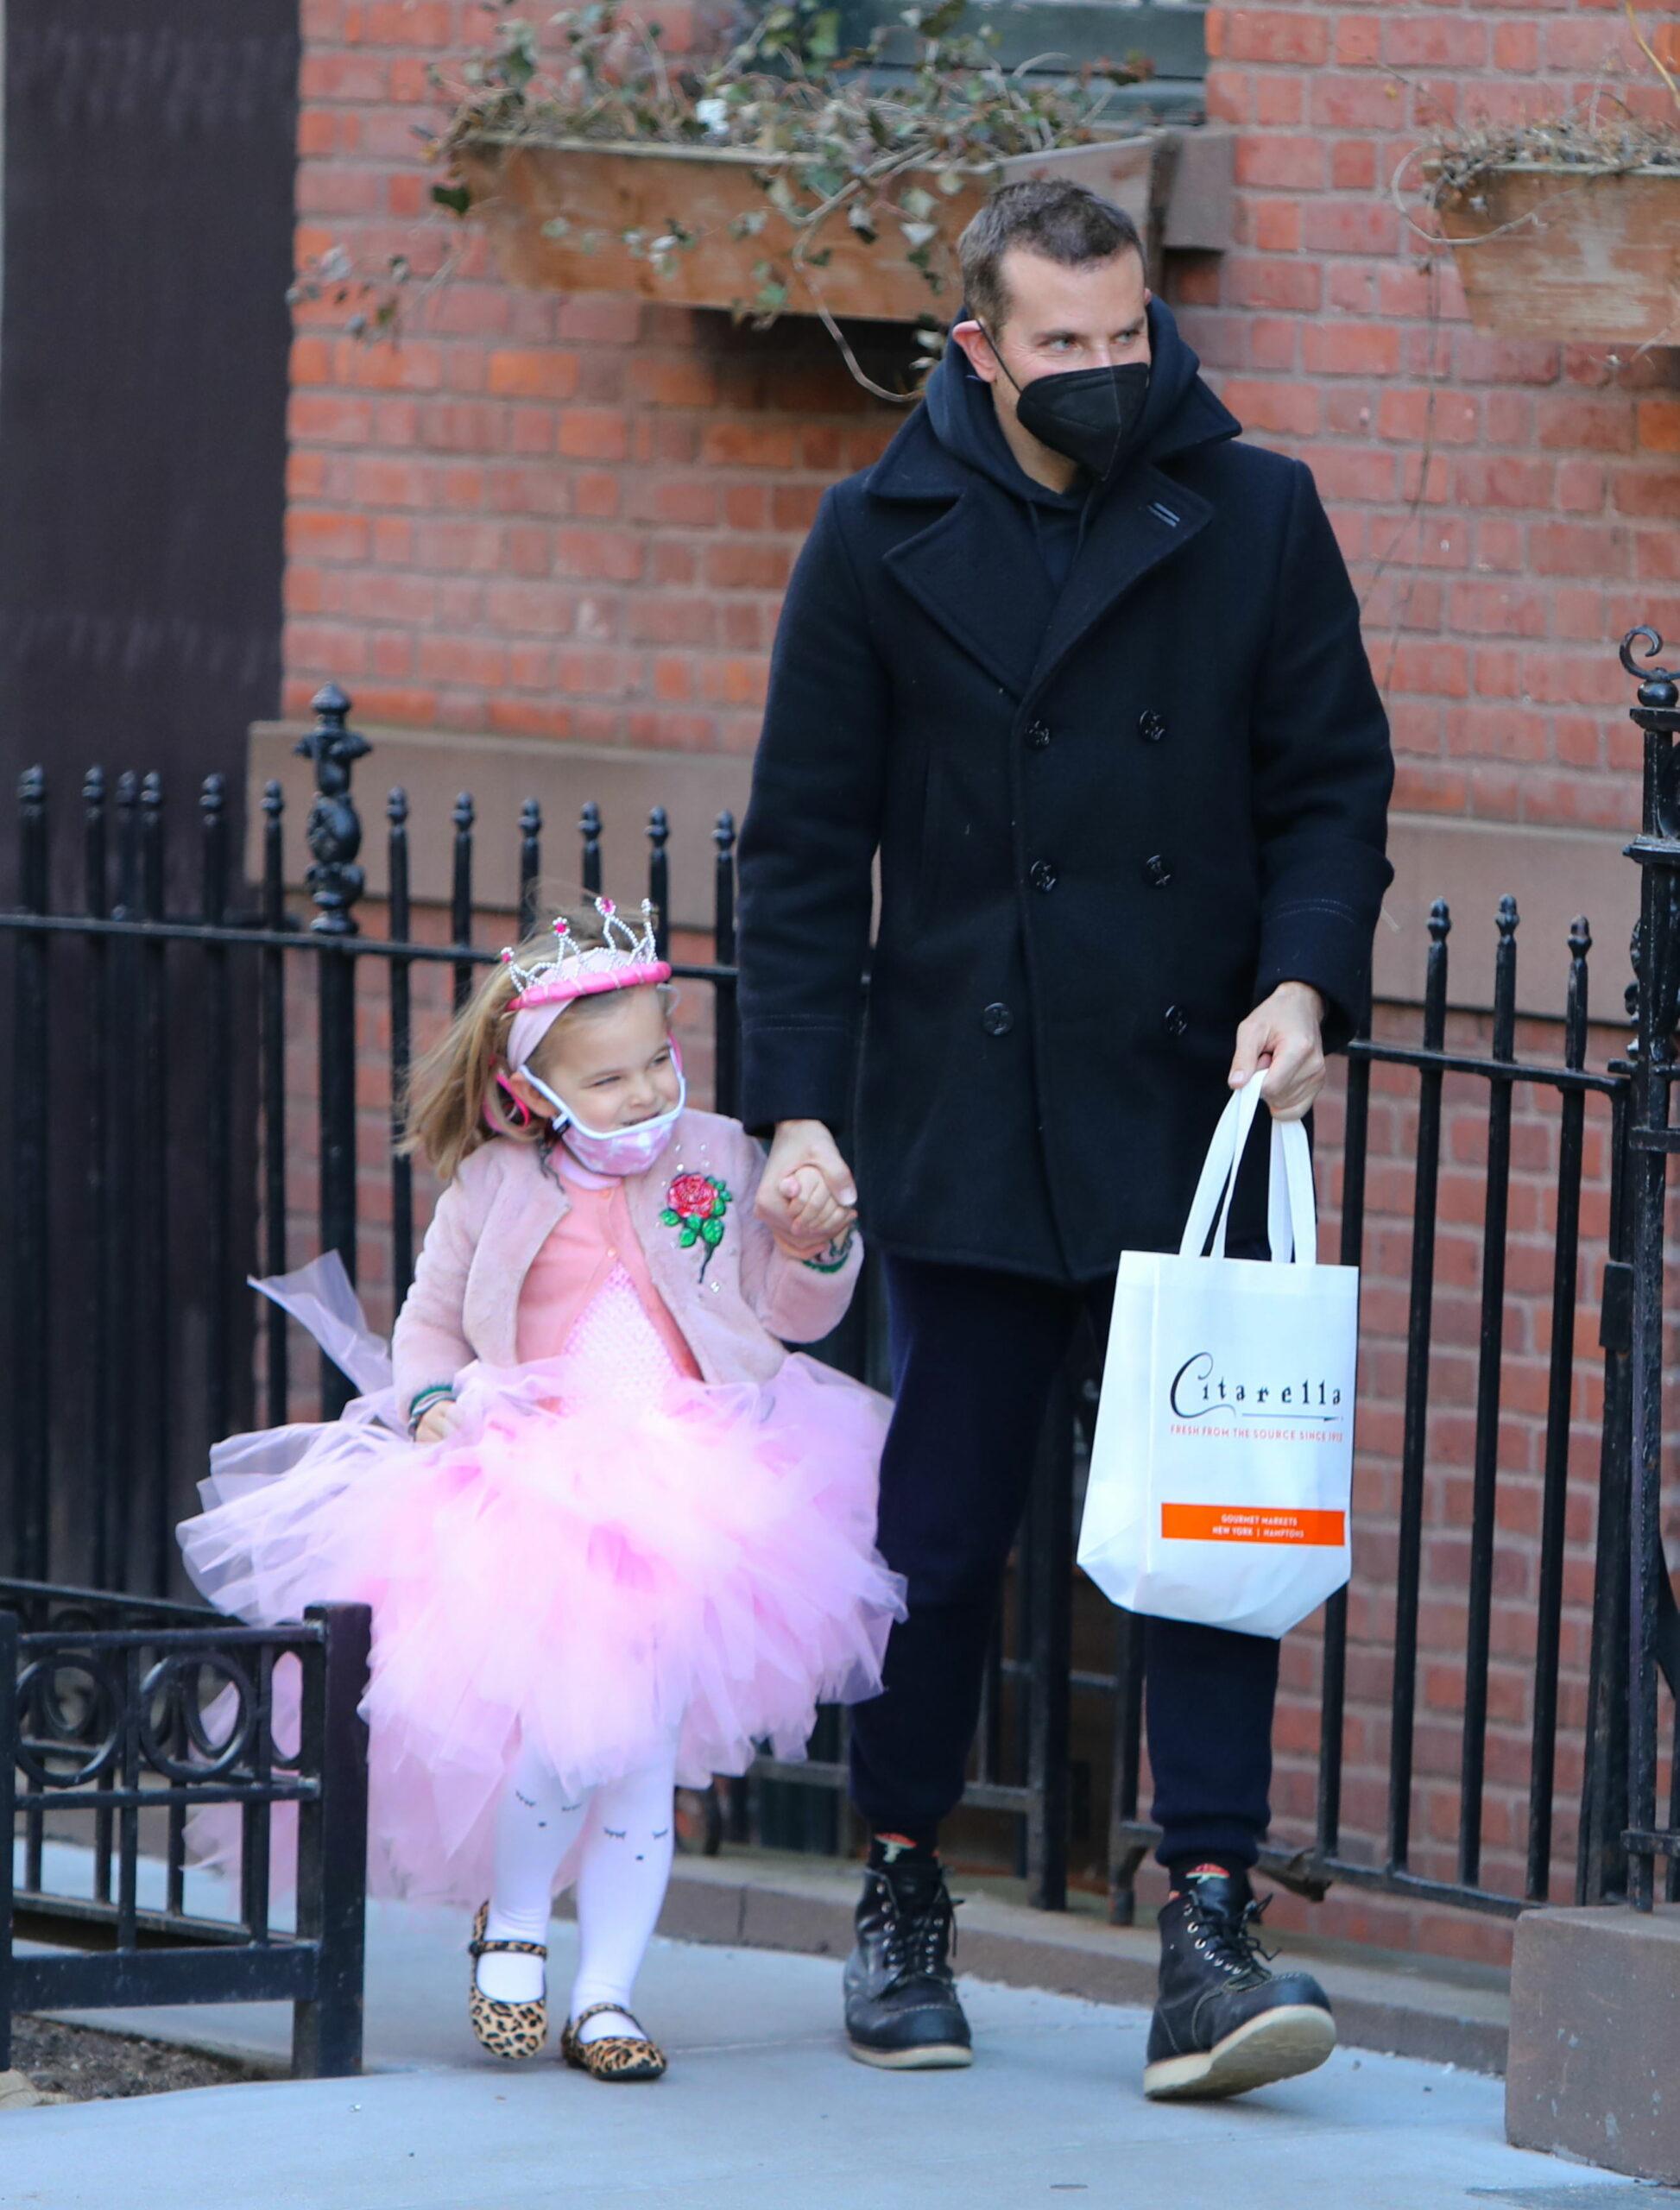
(1108, 822)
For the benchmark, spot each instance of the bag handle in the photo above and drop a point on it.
(1291, 1208)
(1210, 1207)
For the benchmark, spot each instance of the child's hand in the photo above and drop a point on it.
(800, 1147)
(816, 1218)
(438, 1421)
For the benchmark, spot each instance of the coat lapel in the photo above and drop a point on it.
(673, 1269)
(527, 1207)
(1146, 521)
(977, 571)
(675, 1273)
(645, 1194)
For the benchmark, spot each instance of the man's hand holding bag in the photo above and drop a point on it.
(1222, 1470)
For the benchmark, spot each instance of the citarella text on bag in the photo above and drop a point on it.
(1195, 1394)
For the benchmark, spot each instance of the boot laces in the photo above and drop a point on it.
(1234, 1943)
(919, 1931)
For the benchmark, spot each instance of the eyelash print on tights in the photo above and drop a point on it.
(530, 1803)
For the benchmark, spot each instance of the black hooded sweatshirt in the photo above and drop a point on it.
(962, 415)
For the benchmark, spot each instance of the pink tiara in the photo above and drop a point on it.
(623, 961)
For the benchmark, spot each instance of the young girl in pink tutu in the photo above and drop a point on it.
(613, 1534)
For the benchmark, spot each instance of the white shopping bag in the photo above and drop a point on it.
(1222, 1470)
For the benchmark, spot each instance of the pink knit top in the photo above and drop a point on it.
(588, 1293)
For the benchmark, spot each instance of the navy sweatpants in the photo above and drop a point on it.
(974, 1355)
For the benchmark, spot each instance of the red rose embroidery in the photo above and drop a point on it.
(692, 1197)
(696, 1204)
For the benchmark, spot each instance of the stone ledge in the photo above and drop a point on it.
(1458, 2015)
(501, 772)
(1596, 2027)
(1554, 873)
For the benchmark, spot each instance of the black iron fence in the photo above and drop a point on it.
(1654, 1627)
(327, 1181)
(120, 1718)
(1499, 1072)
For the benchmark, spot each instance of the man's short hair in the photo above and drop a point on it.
(1064, 221)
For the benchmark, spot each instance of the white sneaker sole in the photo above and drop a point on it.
(1276, 2045)
(933, 2057)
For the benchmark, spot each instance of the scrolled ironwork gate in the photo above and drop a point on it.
(118, 1713)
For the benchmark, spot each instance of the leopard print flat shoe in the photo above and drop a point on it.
(510, 2030)
(615, 2057)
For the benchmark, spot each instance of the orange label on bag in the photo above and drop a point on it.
(1229, 1522)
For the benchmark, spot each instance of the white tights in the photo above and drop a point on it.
(624, 1872)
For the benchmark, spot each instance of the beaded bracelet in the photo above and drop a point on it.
(436, 1392)
(833, 1258)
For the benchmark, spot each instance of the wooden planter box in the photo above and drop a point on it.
(603, 190)
(1578, 254)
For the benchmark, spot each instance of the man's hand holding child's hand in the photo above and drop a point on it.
(813, 1220)
(807, 1198)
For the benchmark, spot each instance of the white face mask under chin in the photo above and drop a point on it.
(613, 1151)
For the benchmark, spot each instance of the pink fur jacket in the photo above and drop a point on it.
(495, 1216)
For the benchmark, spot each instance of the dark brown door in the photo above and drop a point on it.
(149, 168)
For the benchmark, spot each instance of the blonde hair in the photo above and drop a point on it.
(453, 1101)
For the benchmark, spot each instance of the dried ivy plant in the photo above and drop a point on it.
(843, 140)
(1457, 164)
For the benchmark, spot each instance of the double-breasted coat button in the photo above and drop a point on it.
(1152, 726)
(1037, 735)
(1158, 869)
(1042, 875)
(997, 1020)
(1175, 1020)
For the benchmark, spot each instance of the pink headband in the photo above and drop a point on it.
(540, 1008)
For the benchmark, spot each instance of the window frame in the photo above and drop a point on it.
(1170, 33)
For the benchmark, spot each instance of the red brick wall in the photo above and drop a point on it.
(1509, 508)
(574, 518)
(568, 518)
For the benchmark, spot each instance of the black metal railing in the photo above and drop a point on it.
(1653, 1617)
(1045, 1702)
(1315, 1865)
(120, 1718)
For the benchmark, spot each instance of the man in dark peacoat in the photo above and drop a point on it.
(1115, 743)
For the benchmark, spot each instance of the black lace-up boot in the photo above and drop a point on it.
(1223, 2021)
(901, 2006)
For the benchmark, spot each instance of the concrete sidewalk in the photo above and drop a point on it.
(763, 2108)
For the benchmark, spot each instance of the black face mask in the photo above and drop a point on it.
(1085, 414)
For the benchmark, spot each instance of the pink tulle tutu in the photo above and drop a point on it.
(591, 1573)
